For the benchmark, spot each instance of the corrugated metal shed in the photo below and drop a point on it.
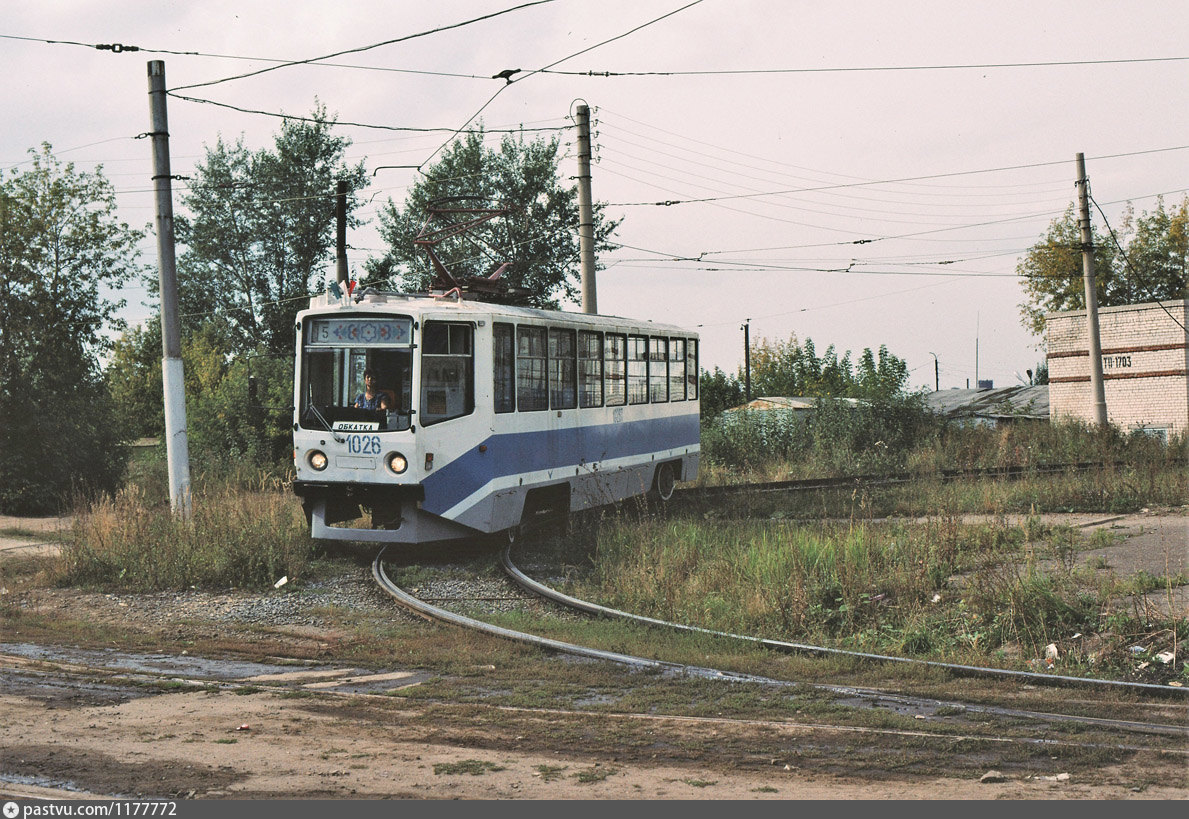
(1007, 404)
(795, 403)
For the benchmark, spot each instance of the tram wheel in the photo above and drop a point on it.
(665, 482)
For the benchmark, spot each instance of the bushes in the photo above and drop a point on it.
(901, 435)
(837, 437)
(234, 538)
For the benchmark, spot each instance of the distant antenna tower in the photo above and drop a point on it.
(459, 218)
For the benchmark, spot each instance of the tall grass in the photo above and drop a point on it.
(775, 577)
(937, 588)
(234, 538)
(902, 436)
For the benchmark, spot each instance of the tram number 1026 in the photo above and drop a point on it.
(363, 444)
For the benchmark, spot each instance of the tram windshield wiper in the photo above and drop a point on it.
(325, 423)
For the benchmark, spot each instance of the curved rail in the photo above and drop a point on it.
(871, 696)
(528, 583)
(431, 612)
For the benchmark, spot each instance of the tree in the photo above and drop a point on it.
(224, 425)
(540, 239)
(1151, 266)
(880, 377)
(260, 231)
(134, 379)
(790, 368)
(61, 248)
(718, 391)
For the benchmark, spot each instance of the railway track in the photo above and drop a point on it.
(868, 697)
(1025, 677)
(851, 481)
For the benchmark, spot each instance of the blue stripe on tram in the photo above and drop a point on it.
(519, 452)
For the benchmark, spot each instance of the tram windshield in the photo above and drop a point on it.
(357, 373)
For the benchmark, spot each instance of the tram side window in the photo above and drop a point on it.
(677, 369)
(637, 369)
(530, 369)
(504, 367)
(658, 370)
(691, 369)
(563, 364)
(615, 369)
(447, 372)
(590, 369)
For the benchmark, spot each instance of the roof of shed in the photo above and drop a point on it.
(1009, 402)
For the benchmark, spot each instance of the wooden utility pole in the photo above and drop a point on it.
(177, 448)
(746, 328)
(1098, 392)
(590, 302)
(340, 212)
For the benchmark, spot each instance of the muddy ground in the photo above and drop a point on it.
(282, 716)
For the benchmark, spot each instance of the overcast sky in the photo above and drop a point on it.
(810, 126)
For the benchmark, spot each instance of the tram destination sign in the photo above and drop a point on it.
(357, 330)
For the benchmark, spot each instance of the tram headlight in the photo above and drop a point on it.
(397, 463)
(317, 460)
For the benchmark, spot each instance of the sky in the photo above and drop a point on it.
(855, 173)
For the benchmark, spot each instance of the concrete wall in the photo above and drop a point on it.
(1145, 366)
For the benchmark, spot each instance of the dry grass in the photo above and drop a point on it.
(234, 538)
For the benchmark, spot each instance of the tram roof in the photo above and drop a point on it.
(424, 303)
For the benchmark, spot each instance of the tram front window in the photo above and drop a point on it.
(335, 392)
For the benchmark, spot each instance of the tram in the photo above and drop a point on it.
(483, 416)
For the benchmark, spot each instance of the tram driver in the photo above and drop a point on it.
(372, 397)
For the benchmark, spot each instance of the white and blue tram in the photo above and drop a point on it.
(494, 415)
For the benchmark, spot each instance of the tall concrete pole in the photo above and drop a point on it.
(173, 376)
(590, 302)
(1098, 392)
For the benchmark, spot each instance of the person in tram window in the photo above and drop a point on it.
(372, 397)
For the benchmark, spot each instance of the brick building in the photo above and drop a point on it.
(1145, 366)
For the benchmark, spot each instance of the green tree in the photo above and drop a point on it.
(134, 379)
(62, 248)
(260, 232)
(789, 368)
(879, 377)
(224, 426)
(539, 240)
(1151, 266)
(718, 391)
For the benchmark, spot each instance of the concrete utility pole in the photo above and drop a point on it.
(177, 448)
(1098, 392)
(590, 302)
(340, 212)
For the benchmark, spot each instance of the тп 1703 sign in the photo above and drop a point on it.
(360, 330)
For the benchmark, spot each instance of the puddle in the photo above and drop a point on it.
(57, 691)
(71, 690)
(168, 664)
(40, 782)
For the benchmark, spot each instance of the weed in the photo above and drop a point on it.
(595, 774)
(226, 741)
(548, 773)
(474, 767)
